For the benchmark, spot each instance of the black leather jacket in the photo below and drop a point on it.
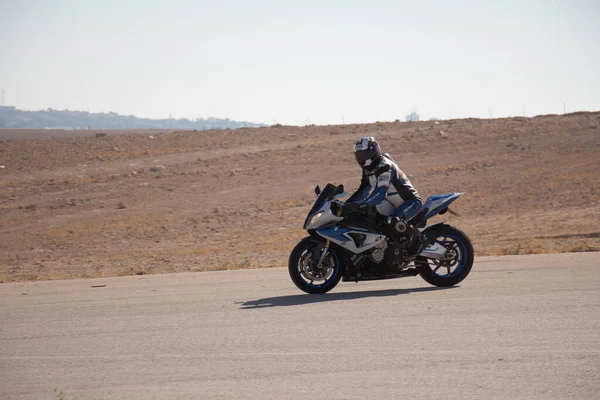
(390, 185)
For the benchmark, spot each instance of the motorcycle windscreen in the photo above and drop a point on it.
(327, 192)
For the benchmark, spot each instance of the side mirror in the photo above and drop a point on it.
(317, 190)
(339, 190)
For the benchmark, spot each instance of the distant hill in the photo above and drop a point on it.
(11, 117)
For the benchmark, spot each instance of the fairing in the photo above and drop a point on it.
(327, 192)
(343, 237)
(322, 206)
(436, 204)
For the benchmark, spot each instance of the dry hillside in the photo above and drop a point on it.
(150, 202)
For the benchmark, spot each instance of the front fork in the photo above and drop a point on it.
(326, 247)
(323, 254)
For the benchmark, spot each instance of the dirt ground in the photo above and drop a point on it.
(152, 202)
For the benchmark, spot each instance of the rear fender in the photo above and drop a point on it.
(431, 227)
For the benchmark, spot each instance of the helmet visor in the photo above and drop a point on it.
(362, 156)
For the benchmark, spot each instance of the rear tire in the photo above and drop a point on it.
(459, 260)
(303, 274)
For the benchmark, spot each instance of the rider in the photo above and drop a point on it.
(393, 194)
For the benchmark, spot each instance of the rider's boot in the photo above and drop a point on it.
(416, 240)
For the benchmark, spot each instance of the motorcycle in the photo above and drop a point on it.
(360, 246)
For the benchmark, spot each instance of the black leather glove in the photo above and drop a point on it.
(353, 208)
(336, 205)
(363, 208)
(347, 208)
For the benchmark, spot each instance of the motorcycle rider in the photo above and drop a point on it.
(393, 194)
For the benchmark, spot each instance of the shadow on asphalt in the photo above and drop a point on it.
(301, 299)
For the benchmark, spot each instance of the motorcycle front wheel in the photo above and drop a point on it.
(307, 275)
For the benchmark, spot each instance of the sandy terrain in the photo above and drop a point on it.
(149, 202)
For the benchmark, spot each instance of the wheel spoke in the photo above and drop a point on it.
(448, 268)
(310, 274)
(436, 268)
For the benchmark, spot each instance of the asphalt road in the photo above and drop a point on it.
(518, 327)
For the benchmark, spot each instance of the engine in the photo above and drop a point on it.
(378, 253)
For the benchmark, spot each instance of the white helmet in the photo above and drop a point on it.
(367, 151)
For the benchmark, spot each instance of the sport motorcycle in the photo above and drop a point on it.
(361, 246)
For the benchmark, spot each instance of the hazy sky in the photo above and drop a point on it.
(293, 61)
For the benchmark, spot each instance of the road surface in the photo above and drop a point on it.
(519, 327)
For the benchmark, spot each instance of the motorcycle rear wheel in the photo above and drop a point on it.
(458, 261)
(304, 272)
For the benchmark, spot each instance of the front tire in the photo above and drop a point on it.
(304, 272)
(457, 263)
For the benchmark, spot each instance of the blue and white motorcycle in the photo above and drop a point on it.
(359, 247)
